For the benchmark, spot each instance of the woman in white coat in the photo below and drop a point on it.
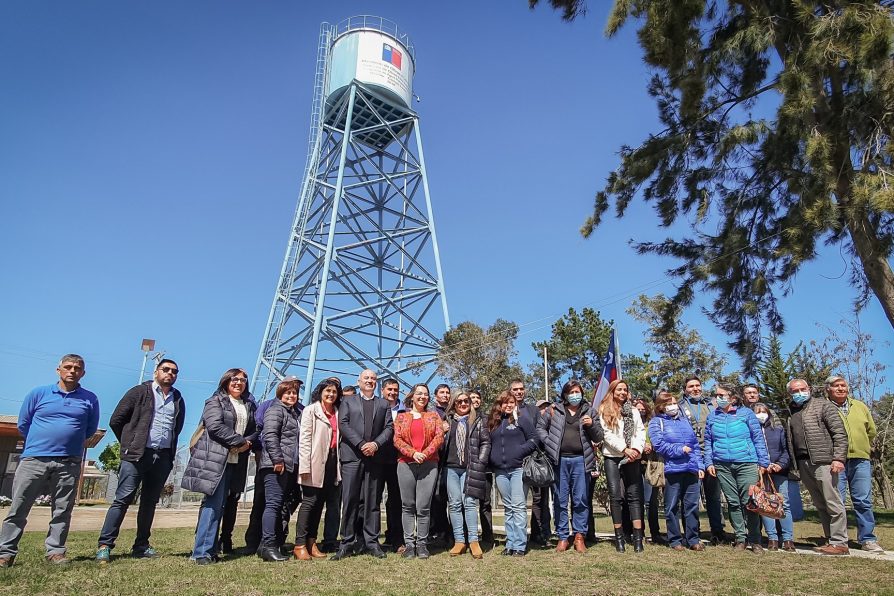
(622, 446)
(319, 470)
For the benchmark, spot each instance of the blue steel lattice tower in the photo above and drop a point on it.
(361, 283)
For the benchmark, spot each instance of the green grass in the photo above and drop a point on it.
(600, 571)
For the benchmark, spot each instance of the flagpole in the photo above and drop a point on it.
(617, 352)
(545, 376)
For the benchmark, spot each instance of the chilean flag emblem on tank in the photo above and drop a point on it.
(391, 55)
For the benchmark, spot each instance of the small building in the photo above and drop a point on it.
(11, 446)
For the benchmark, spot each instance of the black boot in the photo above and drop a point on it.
(638, 540)
(619, 540)
(271, 553)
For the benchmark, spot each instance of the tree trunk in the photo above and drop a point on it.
(884, 484)
(874, 261)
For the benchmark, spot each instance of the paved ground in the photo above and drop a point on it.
(91, 518)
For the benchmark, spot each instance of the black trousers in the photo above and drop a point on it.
(228, 520)
(333, 517)
(394, 531)
(624, 486)
(485, 511)
(253, 532)
(312, 501)
(540, 514)
(361, 481)
(440, 522)
(591, 517)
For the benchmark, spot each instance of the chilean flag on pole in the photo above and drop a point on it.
(611, 370)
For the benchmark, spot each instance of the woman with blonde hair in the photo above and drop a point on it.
(466, 454)
(624, 439)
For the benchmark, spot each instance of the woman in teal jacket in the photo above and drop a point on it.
(735, 450)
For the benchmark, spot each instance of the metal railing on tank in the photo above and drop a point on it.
(377, 24)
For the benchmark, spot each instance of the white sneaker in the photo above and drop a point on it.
(872, 547)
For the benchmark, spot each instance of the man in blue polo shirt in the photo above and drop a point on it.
(56, 421)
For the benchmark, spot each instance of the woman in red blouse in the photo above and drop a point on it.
(417, 437)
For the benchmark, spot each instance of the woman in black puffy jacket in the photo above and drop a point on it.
(278, 466)
(466, 452)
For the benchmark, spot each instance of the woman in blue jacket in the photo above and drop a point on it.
(735, 450)
(780, 532)
(674, 439)
(512, 439)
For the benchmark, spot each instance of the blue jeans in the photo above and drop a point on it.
(571, 482)
(457, 501)
(210, 514)
(512, 492)
(784, 529)
(685, 486)
(858, 474)
(151, 471)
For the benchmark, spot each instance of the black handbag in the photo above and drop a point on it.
(537, 470)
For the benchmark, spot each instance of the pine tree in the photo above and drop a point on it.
(778, 135)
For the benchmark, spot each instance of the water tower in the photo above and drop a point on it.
(361, 283)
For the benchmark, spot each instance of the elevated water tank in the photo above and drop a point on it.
(373, 51)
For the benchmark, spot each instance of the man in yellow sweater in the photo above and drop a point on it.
(858, 470)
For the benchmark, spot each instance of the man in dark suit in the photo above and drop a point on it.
(365, 425)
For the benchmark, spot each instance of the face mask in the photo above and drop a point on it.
(672, 410)
(762, 417)
(574, 399)
(800, 397)
(722, 403)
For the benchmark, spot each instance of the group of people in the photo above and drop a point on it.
(439, 460)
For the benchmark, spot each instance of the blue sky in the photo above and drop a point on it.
(152, 155)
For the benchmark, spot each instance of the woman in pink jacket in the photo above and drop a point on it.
(319, 470)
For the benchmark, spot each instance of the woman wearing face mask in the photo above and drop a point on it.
(651, 494)
(417, 437)
(623, 443)
(467, 453)
(674, 439)
(780, 532)
(567, 432)
(735, 450)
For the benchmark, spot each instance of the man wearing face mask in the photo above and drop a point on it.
(818, 442)
(696, 406)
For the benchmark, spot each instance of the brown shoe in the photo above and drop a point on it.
(476, 551)
(58, 559)
(739, 546)
(832, 549)
(772, 545)
(458, 549)
(562, 546)
(6, 562)
(300, 552)
(788, 546)
(678, 547)
(579, 544)
(314, 551)
(698, 546)
(757, 549)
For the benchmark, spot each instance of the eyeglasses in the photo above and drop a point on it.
(462, 401)
(168, 369)
(238, 380)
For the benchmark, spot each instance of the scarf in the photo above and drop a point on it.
(462, 426)
(627, 417)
